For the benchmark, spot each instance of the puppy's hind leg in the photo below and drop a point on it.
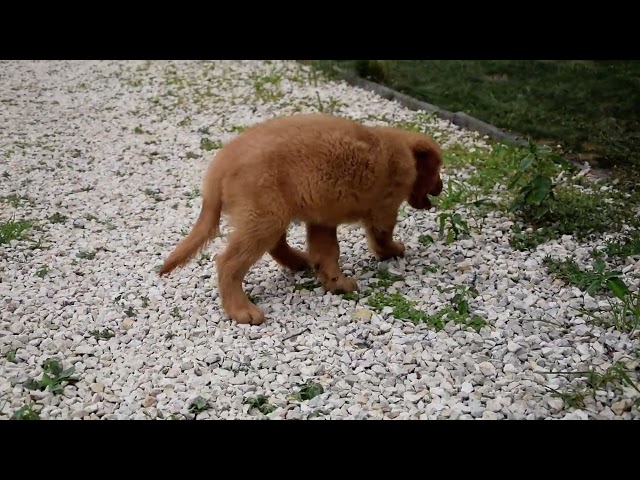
(324, 252)
(289, 257)
(245, 247)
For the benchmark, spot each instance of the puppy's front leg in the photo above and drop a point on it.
(324, 252)
(380, 237)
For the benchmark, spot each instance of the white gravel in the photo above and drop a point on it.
(116, 148)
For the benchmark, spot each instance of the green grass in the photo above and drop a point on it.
(593, 380)
(457, 310)
(13, 230)
(15, 200)
(542, 209)
(623, 313)
(592, 281)
(588, 106)
(625, 247)
(385, 279)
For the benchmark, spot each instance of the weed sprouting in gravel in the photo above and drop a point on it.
(260, 403)
(623, 313)
(385, 279)
(57, 218)
(237, 128)
(155, 194)
(199, 405)
(207, 145)
(425, 239)
(104, 334)
(351, 296)
(30, 411)
(307, 391)
(267, 86)
(307, 285)
(54, 378)
(592, 281)
(457, 310)
(192, 195)
(86, 255)
(535, 197)
(628, 246)
(593, 381)
(16, 200)
(205, 258)
(454, 193)
(42, 271)
(11, 356)
(403, 309)
(13, 230)
(454, 225)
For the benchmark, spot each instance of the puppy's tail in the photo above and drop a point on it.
(206, 227)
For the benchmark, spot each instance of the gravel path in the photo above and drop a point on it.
(106, 159)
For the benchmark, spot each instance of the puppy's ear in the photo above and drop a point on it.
(428, 161)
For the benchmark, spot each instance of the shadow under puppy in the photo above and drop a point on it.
(319, 169)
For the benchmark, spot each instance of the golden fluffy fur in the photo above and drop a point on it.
(318, 169)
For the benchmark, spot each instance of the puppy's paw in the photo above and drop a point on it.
(341, 285)
(394, 250)
(248, 314)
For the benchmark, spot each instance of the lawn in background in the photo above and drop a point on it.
(590, 107)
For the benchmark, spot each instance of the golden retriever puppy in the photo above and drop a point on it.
(318, 169)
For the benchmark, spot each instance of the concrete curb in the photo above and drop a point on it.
(460, 119)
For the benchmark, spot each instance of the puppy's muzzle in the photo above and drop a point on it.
(436, 190)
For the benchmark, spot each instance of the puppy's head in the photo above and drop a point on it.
(428, 160)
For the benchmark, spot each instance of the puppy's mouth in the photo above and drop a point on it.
(437, 188)
(421, 203)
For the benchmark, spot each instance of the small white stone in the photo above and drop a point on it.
(555, 404)
(97, 387)
(16, 328)
(621, 406)
(513, 347)
(487, 369)
(489, 415)
(362, 315)
(84, 350)
(509, 368)
(494, 406)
